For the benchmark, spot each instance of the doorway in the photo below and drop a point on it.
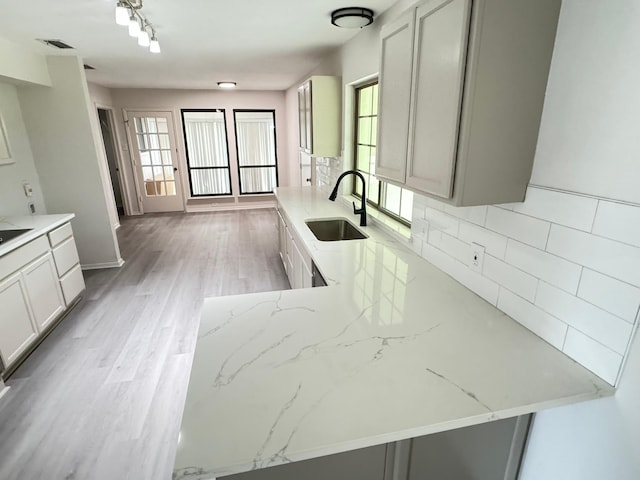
(108, 138)
(153, 153)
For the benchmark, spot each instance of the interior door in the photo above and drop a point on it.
(154, 156)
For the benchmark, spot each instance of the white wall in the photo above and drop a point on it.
(18, 65)
(61, 126)
(174, 100)
(565, 262)
(12, 198)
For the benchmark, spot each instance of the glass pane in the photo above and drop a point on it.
(157, 173)
(257, 180)
(359, 186)
(164, 141)
(153, 141)
(150, 188)
(210, 182)
(170, 188)
(375, 99)
(392, 199)
(206, 139)
(166, 157)
(156, 159)
(145, 158)
(255, 133)
(374, 130)
(406, 204)
(151, 125)
(162, 125)
(147, 173)
(139, 125)
(142, 142)
(364, 158)
(374, 186)
(365, 101)
(364, 131)
(372, 160)
(168, 173)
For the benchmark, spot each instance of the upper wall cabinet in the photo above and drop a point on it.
(319, 110)
(462, 87)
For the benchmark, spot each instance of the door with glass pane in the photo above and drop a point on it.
(154, 157)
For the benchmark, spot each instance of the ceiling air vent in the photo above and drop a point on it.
(55, 43)
(89, 67)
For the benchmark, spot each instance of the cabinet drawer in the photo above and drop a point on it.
(14, 261)
(59, 234)
(66, 256)
(72, 284)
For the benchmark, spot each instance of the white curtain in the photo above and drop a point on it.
(207, 147)
(256, 148)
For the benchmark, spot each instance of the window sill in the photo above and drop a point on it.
(384, 222)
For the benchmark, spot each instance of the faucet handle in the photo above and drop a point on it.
(356, 211)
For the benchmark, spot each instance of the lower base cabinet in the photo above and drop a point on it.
(489, 451)
(16, 324)
(296, 264)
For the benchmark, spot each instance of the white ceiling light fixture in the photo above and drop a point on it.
(122, 14)
(128, 13)
(227, 84)
(352, 17)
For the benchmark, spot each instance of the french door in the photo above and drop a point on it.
(153, 153)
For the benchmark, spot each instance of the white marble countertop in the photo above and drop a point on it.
(393, 349)
(38, 225)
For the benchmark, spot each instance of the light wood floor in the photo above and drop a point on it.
(102, 397)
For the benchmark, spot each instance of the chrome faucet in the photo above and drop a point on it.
(362, 211)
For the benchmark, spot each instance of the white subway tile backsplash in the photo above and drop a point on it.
(610, 330)
(451, 246)
(558, 207)
(526, 229)
(618, 222)
(475, 282)
(493, 243)
(610, 294)
(439, 220)
(593, 355)
(510, 277)
(539, 322)
(547, 267)
(477, 215)
(600, 254)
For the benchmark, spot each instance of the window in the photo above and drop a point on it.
(394, 201)
(205, 137)
(256, 146)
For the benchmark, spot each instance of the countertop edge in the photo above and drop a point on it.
(18, 242)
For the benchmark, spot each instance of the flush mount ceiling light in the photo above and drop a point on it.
(227, 84)
(128, 14)
(352, 17)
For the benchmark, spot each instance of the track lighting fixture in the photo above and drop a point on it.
(128, 14)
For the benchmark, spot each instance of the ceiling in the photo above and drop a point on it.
(262, 45)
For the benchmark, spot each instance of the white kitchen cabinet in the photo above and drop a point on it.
(319, 115)
(297, 263)
(17, 328)
(479, 70)
(43, 289)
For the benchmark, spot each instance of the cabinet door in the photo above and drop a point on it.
(17, 330)
(308, 113)
(439, 56)
(43, 289)
(395, 98)
(302, 119)
(282, 240)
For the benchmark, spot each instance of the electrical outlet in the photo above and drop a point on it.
(28, 190)
(477, 257)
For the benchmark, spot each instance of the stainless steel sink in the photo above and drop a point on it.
(6, 235)
(335, 229)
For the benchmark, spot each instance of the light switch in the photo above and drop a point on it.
(28, 191)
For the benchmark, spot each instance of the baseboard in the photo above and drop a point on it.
(233, 206)
(98, 266)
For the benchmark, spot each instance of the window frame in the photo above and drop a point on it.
(275, 149)
(186, 151)
(382, 185)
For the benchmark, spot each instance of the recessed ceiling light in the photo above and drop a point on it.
(227, 84)
(352, 17)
